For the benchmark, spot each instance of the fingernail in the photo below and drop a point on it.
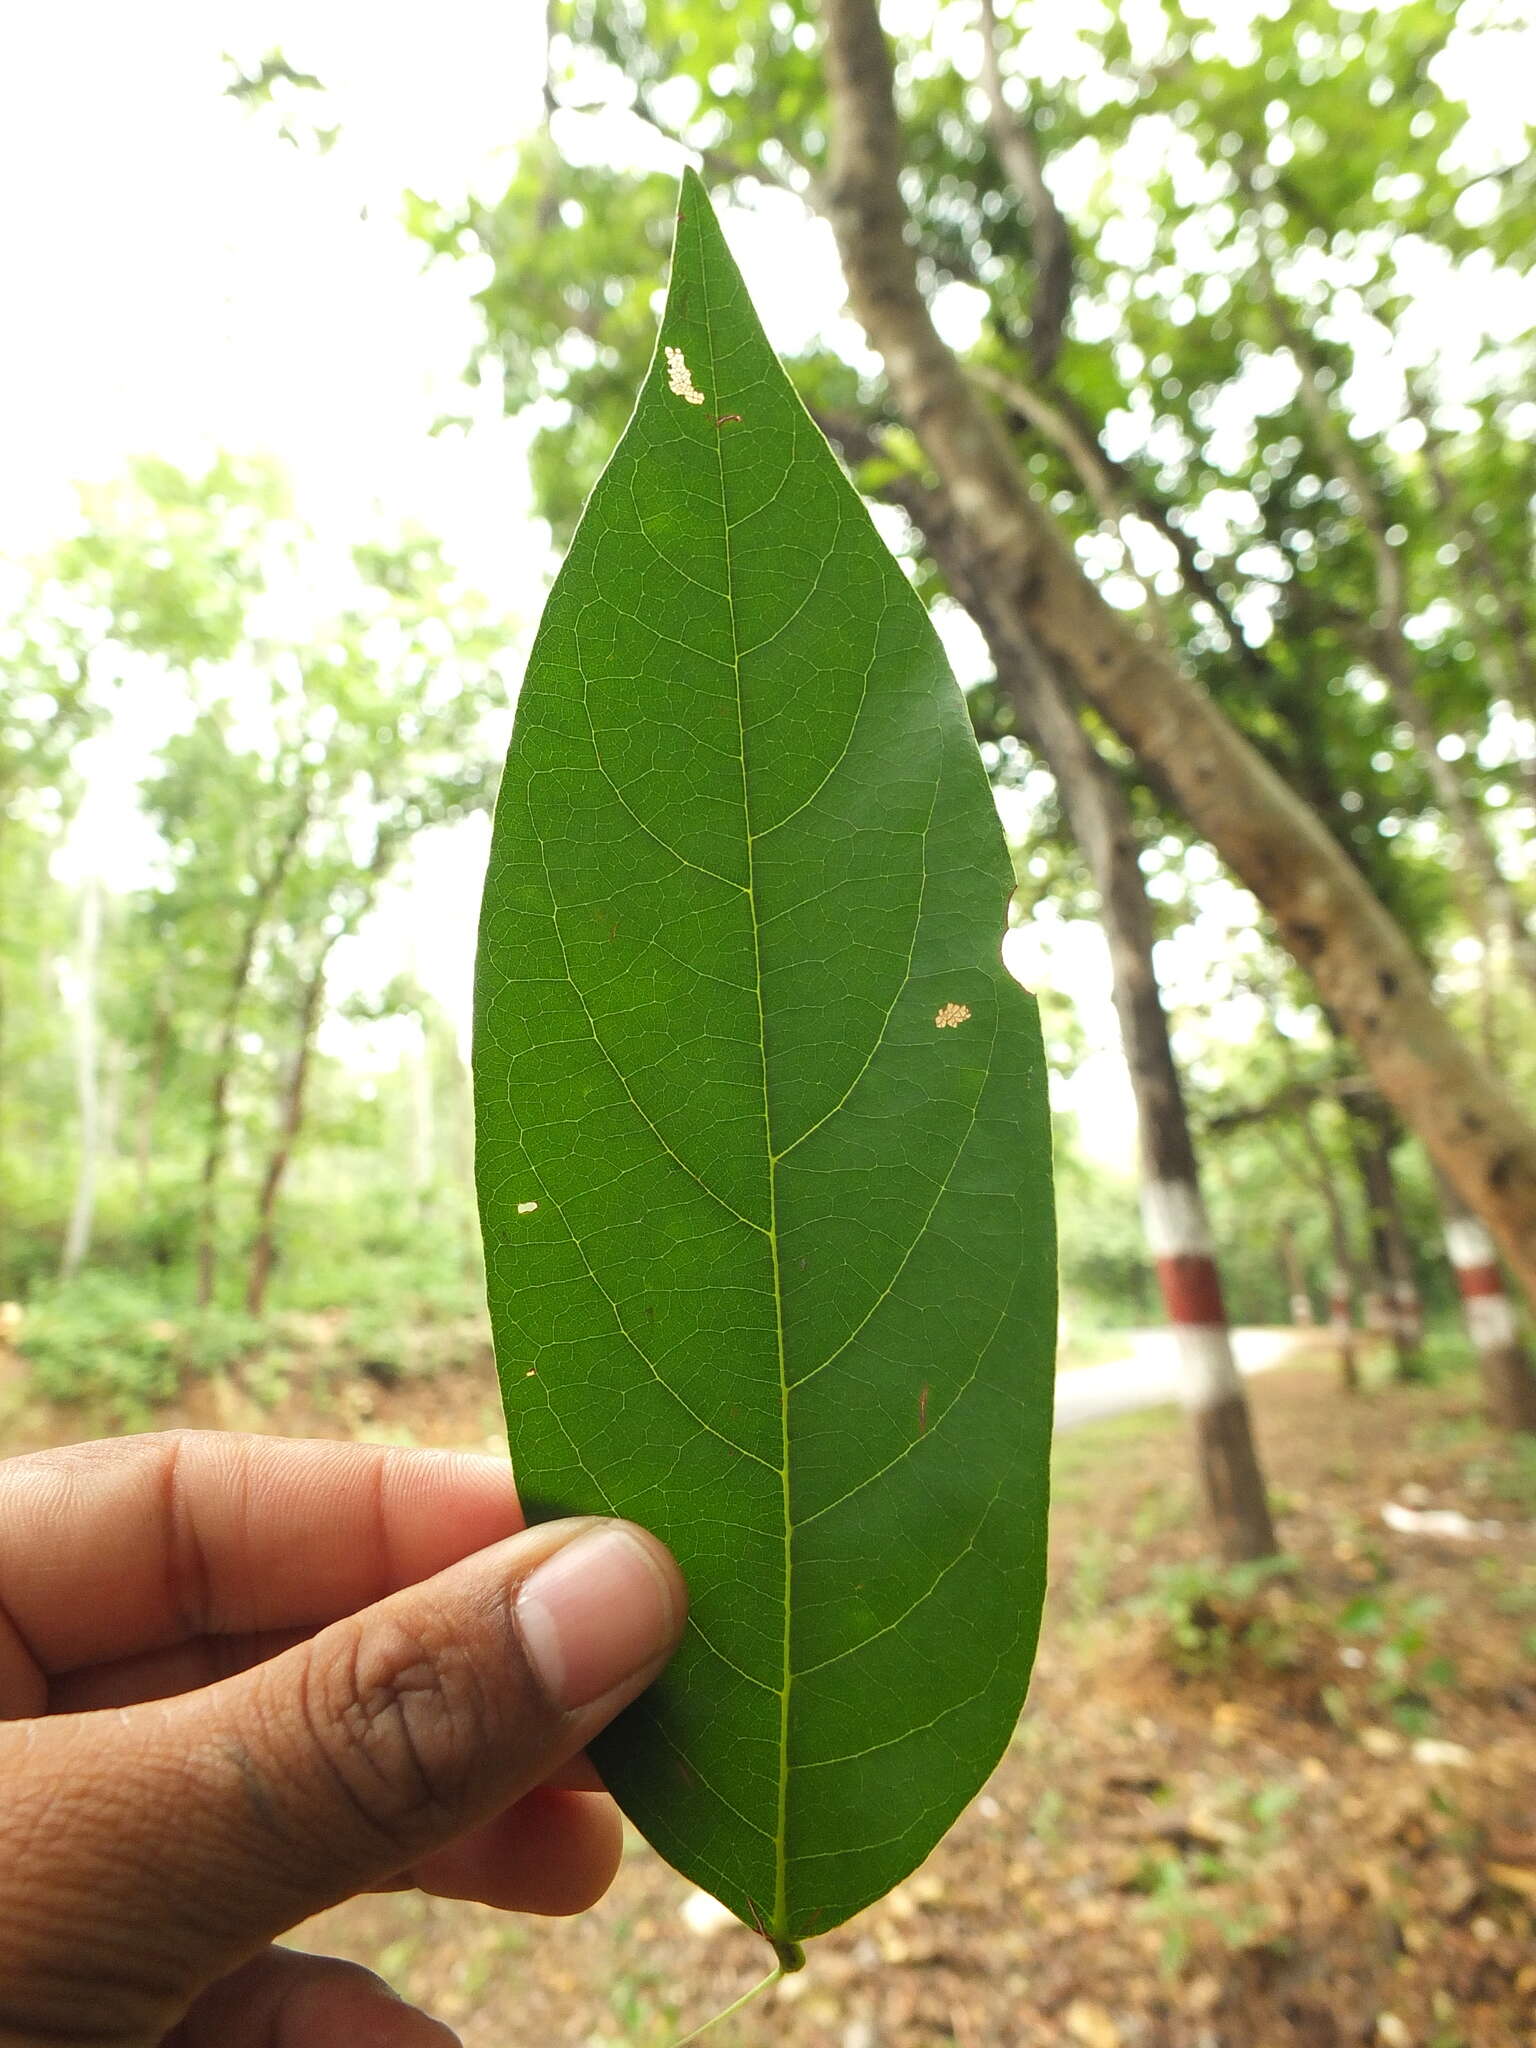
(597, 1612)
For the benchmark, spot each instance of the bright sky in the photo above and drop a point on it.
(178, 280)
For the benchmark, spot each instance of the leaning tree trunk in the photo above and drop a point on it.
(290, 1122)
(1363, 965)
(1509, 1383)
(1173, 1208)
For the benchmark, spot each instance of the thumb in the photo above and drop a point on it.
(145, 1852)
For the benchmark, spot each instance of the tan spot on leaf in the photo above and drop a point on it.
(526, 1208)
(952, 1016)
(680, 378)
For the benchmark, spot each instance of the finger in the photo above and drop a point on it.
(112, 1549)
(149, 1849)
(283, 1999)
(163, 1674)
(553, 1852)
(577, 1774)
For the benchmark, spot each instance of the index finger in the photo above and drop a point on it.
(107, 1549)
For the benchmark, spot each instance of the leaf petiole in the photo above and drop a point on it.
(791, 1958)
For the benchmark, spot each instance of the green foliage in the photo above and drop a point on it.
(1406, 1668)
(1107, 1280)
(105, 1339)
(1210, 1612)
(762, 1153)
(294, 772)
(1292, 180)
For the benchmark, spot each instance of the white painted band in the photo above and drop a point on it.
(1207, 1369)
(1468, 1243)
(1490, 1321)
(1173, 1216)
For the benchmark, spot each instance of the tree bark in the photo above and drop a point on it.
(1324, 910)
(1173, 1208)
(82, 1214)
(1509, 1382)
(1013, 137)
(290, 1122)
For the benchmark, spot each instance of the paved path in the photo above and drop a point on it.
(1149, 1376)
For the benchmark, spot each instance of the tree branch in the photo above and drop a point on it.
(1013, 137)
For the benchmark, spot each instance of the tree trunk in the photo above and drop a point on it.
(1363, 965)
(1342, 1281)
(82, 1214)
(1401, 1318)
(1173, 1209)
(1341, 1323)
(1509, 1383)
(225, 1051)
(1299, 1294)
(290, 1122)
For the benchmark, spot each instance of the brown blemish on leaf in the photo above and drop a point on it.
(952, 1016)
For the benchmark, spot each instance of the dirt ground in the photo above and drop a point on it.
(1294, 1810)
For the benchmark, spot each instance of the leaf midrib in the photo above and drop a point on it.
(780, 1915)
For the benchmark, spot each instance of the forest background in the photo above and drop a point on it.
(1184, 356)
(254, 707)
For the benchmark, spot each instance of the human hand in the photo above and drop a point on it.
(242, 1679)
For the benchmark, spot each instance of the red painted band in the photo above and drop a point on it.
(1475, 1281)
(1191, 1289)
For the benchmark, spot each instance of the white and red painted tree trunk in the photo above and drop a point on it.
(1173, 1210)
(1509, 1384)
(1179, 1237)
(1341, 1324)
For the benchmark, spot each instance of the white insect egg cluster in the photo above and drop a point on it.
(680, 378)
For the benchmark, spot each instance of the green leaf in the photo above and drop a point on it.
(762, 1142)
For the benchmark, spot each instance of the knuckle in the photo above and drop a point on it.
(404, 1724)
